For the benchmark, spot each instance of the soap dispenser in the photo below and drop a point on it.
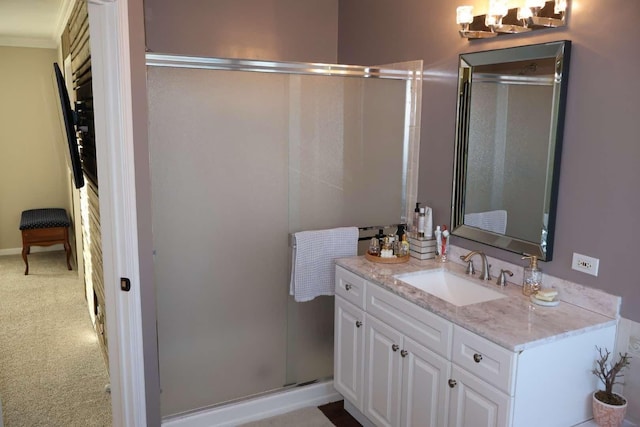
(415, 219)
(532, 280)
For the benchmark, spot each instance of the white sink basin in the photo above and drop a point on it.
(449, 287)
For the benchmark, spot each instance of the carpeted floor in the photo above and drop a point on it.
(52, 372)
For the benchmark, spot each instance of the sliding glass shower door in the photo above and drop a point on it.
(239, 160)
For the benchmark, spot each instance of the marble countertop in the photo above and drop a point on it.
(513, 322)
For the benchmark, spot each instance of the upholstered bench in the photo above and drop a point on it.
(44, 227)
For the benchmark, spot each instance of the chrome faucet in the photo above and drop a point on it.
(485, 274)
(502, 277)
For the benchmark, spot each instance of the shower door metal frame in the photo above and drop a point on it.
(412, 77)
(413, 85)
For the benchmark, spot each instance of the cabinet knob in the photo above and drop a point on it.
(358, 323)
(348, 286)
(395, 347)
(477, 357)
(404, 353)
(452, 383)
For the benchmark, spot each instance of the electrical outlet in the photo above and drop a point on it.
(585, 264)
(634, 345)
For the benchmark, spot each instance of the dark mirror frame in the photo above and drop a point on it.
(561, 52)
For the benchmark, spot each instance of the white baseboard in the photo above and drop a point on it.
(34, 249)
(591, 423)
(258, 408)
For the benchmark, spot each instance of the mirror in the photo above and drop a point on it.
(510, 122)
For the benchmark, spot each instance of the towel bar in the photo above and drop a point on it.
(292, 243)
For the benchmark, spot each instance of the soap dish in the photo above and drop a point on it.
(544, 303)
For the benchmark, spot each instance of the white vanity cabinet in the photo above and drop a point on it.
(400, 379)
(482, 382)
(404, 381)
(348, 356)
(406, 362)
(474, 403)
(401, 365)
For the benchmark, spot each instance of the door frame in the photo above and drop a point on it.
(112, 90)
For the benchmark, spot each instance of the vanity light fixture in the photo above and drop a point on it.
(464, 18)
(497, 10)
(500, 19)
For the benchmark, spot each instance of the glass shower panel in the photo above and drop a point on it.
(346, 152)
(219, 156)
(346, 144)
(239, 160)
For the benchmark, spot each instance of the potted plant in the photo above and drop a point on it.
(609, 408)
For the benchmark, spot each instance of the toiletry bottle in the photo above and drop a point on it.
(405, 246)
(438, 234)
(428, 224)
(386, 251)
(532, 280)
(401, 232)
(374, 247)
(421, 224)
(416, 215)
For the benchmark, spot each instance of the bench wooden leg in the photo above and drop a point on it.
(25, 251)
(67, 249)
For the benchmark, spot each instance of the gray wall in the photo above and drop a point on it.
(598, 196)
(286, 30)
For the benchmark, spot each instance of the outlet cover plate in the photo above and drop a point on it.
(585, 264)
(634, 345)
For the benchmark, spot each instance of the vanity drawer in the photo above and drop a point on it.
(484, 359)
(350, 287)
(428, 329)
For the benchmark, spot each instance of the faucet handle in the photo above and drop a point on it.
(470, 269)
(502, 277)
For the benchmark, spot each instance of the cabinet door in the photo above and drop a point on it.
(383, 373)
(474, 403)
(425, 389)
(348, 363)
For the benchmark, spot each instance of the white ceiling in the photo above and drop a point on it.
(33, 23)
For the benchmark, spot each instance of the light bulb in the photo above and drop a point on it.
(524, 13)
(490, 21)
(464, 15)
(498, 8)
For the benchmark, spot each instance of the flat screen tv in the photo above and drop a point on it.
(70, 122)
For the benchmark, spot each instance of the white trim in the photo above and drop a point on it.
(258, 408)
(34, 249)
(592, 423)
(109, 35)
(64, 13)
(34, 42)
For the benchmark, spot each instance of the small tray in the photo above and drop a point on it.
(544, 303)
(396, 260)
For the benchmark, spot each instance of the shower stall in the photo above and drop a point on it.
(242, 154)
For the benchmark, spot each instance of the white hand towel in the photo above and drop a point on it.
(312, 266)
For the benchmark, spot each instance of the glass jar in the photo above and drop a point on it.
(374, 247)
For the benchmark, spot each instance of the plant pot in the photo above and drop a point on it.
(606, 415)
